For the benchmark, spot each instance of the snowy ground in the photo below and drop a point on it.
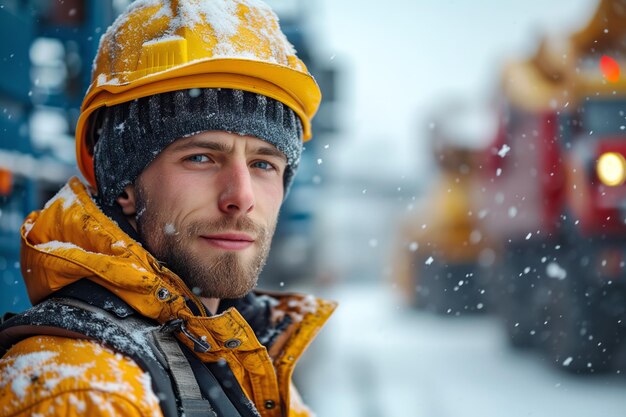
(376, 359)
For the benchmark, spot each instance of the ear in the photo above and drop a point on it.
(126, 200)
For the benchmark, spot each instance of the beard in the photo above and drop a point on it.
(212, 274)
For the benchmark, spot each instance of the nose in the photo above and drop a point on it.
(237, 195)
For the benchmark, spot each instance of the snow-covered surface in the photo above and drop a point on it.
(19, 372)
(54, 245)
(78, 404)
(138, 268)
(15, 373)
(306, 305)
(223, 18)
(28, 225)
(271, 301)
(102, 79)
(376, 359)
(66, 194)
(146, 383)
(166, 38)
(115, 308)
(101, 326)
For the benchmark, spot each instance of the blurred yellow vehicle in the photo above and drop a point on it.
(442, 256)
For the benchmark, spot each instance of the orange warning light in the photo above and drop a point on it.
(609, 68)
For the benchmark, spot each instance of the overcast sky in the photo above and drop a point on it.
(401, 57)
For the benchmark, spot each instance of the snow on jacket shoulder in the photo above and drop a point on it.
(57, 376)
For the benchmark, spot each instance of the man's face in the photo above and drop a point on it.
(207, 207)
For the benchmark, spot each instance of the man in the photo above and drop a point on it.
(189, 137)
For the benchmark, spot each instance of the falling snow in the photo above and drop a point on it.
(504, 150)
(554, 270)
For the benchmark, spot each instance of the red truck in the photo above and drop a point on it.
(553, 194)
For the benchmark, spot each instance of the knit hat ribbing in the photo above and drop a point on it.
(134, 133)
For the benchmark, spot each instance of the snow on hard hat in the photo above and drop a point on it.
(157, 46)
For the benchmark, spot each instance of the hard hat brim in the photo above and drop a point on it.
(296, 89)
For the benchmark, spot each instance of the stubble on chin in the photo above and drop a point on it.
(214, 275)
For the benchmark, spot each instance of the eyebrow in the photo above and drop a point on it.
(270, 151)
(265, 150)
(190, 144)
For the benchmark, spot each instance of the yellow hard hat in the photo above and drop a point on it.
(161, 46)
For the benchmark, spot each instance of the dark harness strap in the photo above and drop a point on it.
(190, 397)
(230, 399)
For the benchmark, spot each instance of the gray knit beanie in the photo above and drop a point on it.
(134, 133)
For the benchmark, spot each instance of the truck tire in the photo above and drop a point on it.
(517, 288)
(581, 338)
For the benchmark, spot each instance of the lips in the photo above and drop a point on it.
(229, 241)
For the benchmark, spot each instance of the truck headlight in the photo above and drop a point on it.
(611, 169)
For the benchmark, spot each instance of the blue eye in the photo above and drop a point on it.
(198, 158)
(264, 165)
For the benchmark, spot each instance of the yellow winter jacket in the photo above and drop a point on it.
(71, 239)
